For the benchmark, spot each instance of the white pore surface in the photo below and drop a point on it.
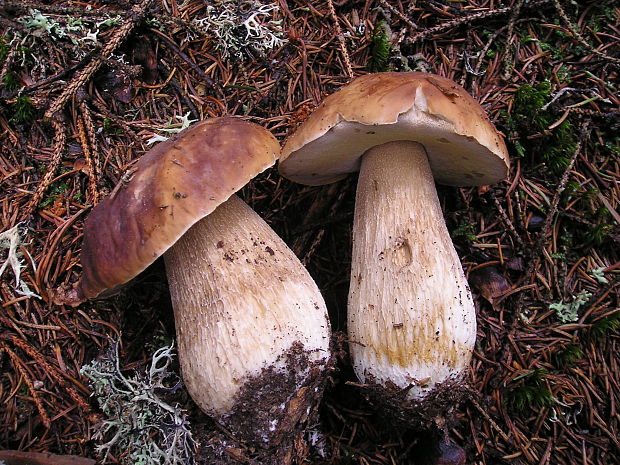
(455, 159)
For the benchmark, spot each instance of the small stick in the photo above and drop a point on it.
(106, 113)
(210, 83)
(579, 37)
(469, 19)
(553, 208)
(89, 124)
(343, 45)
(15, 457)
(92, 179)
(60, 140)
(534, 257)
(413, 26)
(492, 422)
(506, 221)
(510, 59)
(33, 392)
(52, 371)
(125, 179)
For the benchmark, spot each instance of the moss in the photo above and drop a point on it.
(380, 46)
(532, 392)
(4, 50)
(466, 230)
(23, 110)
(568, 356)
(606, 326)
(530, 99)
(10, 81)
(56, 190)
(556, 146)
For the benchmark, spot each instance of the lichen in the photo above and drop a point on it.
(172, 128)
(11, 240)
(569, 312)
(137, 423)
(242, 30)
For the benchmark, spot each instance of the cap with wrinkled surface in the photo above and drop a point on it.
(463, 146)
(174, 185)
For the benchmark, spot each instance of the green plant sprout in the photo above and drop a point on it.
(569, 312)
(136, 422)
(242, 30)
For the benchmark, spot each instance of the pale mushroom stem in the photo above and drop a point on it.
(411, 318)
(251, 323)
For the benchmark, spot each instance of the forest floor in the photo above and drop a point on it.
(85, 85)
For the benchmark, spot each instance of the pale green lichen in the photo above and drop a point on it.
(242, 30)
(598, 274)
(137, 423)
(569, 312)
(78, 35)
(11, 240)
(77, 30)
(172, 128)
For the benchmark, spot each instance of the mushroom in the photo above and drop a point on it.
(252, 329)
(411, 317)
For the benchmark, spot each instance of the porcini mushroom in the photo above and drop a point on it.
(252, 329)
(411, 318)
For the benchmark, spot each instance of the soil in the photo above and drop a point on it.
(267, 423)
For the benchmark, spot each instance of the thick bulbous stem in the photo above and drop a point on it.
(251, 324)
(411, 318)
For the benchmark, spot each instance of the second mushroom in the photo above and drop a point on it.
(411, 317)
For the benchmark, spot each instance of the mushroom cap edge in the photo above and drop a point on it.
(464, 147)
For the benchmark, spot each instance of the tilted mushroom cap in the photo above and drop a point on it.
(174, 185)
(462, 145)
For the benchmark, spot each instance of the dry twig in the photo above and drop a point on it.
(341, 41)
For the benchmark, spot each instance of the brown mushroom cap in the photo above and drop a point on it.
(462, 144)
(175, 184)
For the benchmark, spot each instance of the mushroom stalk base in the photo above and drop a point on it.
(251, 324)
(411, 318)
